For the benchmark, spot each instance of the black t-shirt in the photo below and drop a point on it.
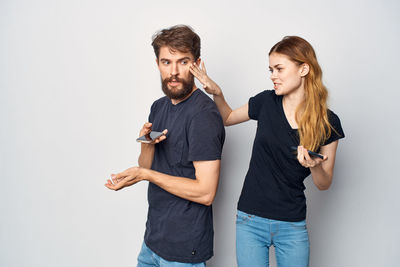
(273, 186)
(178, 229)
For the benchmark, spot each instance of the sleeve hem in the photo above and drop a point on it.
(205, 158)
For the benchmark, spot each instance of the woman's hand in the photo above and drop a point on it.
(201, 74)
(306, 160)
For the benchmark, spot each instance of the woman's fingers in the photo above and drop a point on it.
(203, 67)
(195, 73)
(200, 74)
(198, 71)
(304, 158)
(195, 69)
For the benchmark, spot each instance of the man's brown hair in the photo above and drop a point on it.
(179, 37)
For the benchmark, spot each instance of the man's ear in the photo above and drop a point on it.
(157, 61)
(305, 69)
(198, 61)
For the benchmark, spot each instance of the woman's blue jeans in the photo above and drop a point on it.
(254, 236)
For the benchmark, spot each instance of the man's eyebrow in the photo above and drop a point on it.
(180, 59)
(184, 58)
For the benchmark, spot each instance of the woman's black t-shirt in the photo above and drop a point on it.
(274, 187)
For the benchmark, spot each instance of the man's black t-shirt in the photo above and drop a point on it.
(273, 186)
(178, 229)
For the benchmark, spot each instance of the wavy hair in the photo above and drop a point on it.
(178, 37)
(312, 114)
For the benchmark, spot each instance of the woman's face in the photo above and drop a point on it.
(286, 75)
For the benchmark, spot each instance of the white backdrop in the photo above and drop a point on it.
(77, 79)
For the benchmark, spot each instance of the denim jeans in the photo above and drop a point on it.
(254, 236)
(147, 258)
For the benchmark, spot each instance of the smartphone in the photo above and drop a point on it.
(150, 137)
(311, 153)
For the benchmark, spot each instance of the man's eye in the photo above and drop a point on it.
(184, 62)
(165, 62)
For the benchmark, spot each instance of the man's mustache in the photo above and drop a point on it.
(174, 78)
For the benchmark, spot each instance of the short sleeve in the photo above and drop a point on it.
(152, 111)
(255, 104)
(336, 131)
(206, 136)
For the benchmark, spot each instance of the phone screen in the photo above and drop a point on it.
(150, 137)
(311, 153)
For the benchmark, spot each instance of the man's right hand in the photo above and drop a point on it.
(146, 129)
(123, 179)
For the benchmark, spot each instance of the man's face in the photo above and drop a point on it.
(177, 81)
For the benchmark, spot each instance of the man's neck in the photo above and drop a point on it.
(177, 101)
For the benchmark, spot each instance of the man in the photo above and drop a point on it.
(183, 165)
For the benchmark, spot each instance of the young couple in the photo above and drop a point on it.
(183, 165)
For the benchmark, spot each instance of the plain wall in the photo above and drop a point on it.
(77, 79)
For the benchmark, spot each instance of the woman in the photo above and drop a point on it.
(272, 205)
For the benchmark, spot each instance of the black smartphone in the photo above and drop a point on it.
(150, 137)
(312, 154)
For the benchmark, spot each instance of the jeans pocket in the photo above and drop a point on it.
(302, 225)
(243, 218)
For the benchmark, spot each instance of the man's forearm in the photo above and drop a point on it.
(146, 156)
(196, 190)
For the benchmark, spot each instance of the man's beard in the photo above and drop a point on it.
(187, 87)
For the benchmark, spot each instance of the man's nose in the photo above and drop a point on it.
(174, 69)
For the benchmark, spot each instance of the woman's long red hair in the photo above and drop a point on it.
(312, 114)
